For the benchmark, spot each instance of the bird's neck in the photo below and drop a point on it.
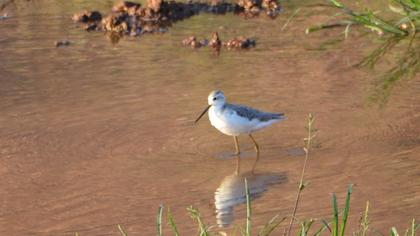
(219, 107)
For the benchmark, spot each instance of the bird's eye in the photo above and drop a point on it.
(214, 99)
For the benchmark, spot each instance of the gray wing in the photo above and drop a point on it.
(251, 113)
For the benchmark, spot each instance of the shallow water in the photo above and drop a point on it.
(97, 134)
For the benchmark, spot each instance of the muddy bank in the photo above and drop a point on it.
(130, 18)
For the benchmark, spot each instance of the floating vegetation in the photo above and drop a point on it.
(399, 33)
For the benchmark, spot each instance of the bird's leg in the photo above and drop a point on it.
(255, 163)
(238, 165)
(236, 145)
(257, 148)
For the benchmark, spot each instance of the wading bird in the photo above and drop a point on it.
(234, 120)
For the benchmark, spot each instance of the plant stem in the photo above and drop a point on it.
(301, 184)
(159, 220)
(122, 231)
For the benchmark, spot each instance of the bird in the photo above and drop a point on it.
(235, 119)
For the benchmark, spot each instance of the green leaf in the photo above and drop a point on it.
(271, 226)
(397, 9)
(159, 220)
(324, 227)
(337, 4)
(335, 220)
(172, 223)
(394, 232)
(346, 210)
(122, 231)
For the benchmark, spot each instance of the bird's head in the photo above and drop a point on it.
(216, 98)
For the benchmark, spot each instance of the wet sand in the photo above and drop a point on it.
(96, 134)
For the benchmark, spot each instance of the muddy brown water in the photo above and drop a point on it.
(96, 134)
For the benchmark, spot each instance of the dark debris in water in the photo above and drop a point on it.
(62, 43)
(253, 8)
(87, 17)
(194, 43)
(130, 18)
(239, 43)
(216, 43)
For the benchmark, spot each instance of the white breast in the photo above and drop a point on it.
(229, 123)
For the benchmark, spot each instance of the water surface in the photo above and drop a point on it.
(97, 134)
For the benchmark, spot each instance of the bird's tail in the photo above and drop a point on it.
(280, 116)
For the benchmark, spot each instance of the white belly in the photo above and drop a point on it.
(229, 123)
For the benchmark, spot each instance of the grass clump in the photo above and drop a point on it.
(364, 224)
(172, 224)
(400, 30)
(411, 231)
(336, 226)
(203, 229)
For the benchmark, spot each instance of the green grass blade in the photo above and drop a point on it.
(271, 226)
(370, 20)
(417, 226)
(290, 18)
(323, 228)
(326, 224)
(308, 226)
(337, 3)
(302, 229)
(394, 231)
(346, 210)
(195, 214)
(413, 227)
(159, 220)
(122, 231)
(248, 210)
(172, 223)
(365, 223)
(342, 23)
(396, 9)
(335, 222)
(347, 30)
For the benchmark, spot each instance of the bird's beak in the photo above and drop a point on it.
(202, 114)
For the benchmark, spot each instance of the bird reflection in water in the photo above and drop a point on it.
(231, 191)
